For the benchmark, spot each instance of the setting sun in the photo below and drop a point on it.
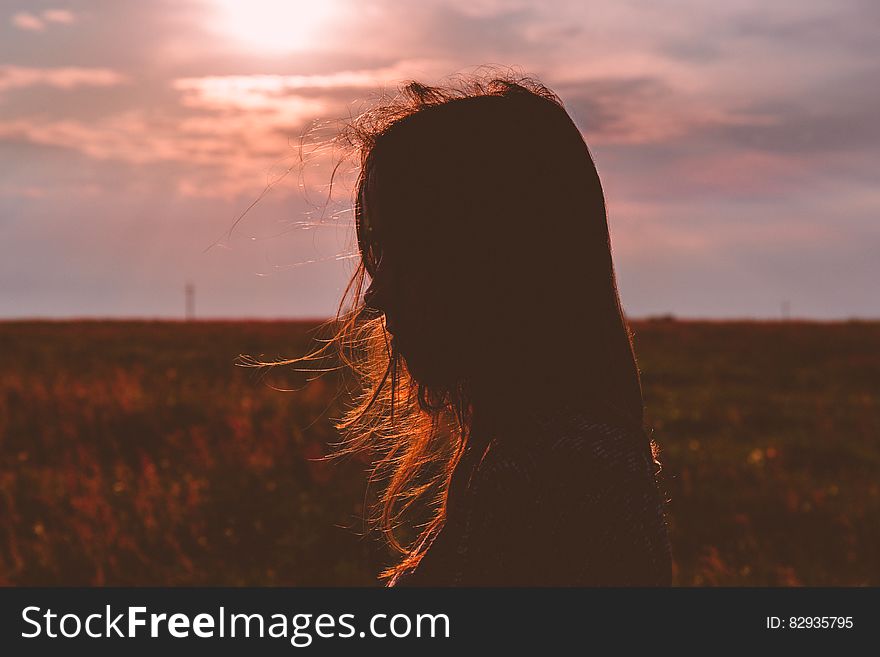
(273, 25)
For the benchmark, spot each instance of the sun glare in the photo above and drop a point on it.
(274, 25)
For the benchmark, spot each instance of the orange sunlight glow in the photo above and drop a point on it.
(273, 25)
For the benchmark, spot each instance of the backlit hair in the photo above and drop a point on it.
(493, 169)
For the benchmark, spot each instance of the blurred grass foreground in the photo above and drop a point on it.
(136, 453)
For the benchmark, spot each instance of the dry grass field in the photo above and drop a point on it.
(137, 453)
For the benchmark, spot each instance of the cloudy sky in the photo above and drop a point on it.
(737, 141)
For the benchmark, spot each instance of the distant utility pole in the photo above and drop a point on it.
(190, 293)
(786, 310)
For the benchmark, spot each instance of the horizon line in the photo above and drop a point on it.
(318, 319)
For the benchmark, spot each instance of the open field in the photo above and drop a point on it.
(137, 453)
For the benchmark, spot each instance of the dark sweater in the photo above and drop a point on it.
(554, 499)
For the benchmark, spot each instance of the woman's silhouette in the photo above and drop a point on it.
(501, 395)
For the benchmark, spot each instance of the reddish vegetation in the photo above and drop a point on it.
(137, 453)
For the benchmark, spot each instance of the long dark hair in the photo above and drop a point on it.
(485, 284)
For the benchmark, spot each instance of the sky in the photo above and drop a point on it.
(737, 143)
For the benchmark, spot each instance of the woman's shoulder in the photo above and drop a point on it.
(580, 490)
(564, 455)
(578, 436)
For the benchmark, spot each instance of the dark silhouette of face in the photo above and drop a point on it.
(481, 222)
(421, 303)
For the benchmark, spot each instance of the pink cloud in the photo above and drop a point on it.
(130, 137)
(58, 16)
(249, 93)
(697, 232)
(638, 122)
(28, 22)
(743, 173)
(32, 23)
(221, 155)
(14, 77)
(269, 91)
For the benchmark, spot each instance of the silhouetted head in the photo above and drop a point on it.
(485, 285)
(481, 224)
